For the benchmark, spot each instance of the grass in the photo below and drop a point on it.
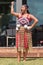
(13, 61)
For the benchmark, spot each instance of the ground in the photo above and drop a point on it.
(13, 61)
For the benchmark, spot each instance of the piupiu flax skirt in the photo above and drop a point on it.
(22, 39)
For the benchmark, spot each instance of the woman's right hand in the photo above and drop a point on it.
(12, 3)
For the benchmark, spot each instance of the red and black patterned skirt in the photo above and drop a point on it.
(22, 39)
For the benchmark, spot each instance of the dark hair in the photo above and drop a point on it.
(28, 12)
(27, 8)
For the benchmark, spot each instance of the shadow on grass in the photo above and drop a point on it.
(30, 59)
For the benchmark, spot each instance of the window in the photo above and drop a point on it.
(36, 8)
(7, 23)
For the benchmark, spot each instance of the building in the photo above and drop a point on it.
(8, 25)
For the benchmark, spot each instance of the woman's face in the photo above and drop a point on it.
(23, 9)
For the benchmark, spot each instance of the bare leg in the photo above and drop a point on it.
(25, 54)
(19, 55)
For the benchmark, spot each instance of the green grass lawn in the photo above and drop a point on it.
(13, 61)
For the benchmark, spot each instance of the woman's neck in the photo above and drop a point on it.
(24, 13)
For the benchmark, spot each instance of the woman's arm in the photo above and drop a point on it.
(12, 10)
(34, 19)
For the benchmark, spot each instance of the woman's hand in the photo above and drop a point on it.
(12, 3)
(29, 27)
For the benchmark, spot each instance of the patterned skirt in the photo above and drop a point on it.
(22, 39)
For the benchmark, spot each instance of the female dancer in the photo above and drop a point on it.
(23, 26)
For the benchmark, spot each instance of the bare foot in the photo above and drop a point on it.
(19, 60)
(24, 59)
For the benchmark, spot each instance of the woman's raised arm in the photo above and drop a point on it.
(12, 10)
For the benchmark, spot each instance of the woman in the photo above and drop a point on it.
(23, 26)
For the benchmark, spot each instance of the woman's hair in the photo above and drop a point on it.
(27, 8)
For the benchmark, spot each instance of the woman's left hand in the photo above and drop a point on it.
(29, 27)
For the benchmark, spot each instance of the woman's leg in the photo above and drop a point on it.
(19, 55)
(25, 54)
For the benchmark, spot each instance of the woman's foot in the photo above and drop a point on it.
(19, 59)
(24, 59)
(19, 56)
(24, 56)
